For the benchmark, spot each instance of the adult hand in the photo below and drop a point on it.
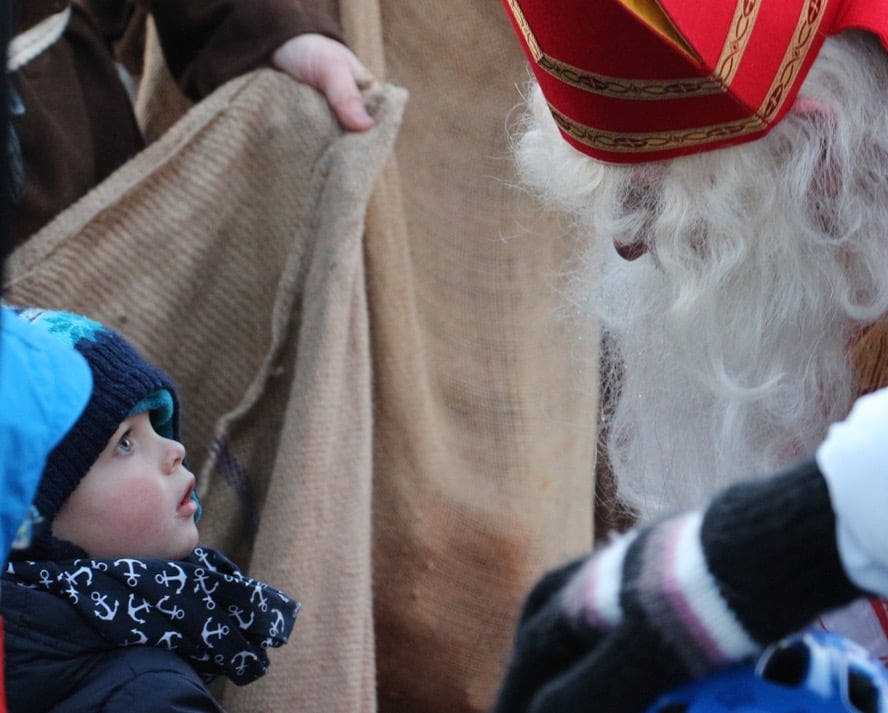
(333, 69)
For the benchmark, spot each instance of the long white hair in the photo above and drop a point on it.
(726, 342)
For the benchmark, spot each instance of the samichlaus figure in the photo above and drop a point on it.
(725, 163)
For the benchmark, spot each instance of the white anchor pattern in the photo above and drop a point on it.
(202, 607)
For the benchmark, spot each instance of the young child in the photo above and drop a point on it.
(112, 607)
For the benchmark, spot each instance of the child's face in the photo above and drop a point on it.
(135, 501)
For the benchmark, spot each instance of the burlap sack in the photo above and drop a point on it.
(483, 402)
(231, 252)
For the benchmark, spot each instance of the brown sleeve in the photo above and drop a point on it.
(208, 42)
(110, 17)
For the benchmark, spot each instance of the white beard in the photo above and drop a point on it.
(729, 337)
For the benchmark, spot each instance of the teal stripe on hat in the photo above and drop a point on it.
(160, 405)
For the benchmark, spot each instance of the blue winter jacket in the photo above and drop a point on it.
(56, 663)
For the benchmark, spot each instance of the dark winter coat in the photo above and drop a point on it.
(56, 663)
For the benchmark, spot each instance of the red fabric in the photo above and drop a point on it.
(871, 15)
(678, 76)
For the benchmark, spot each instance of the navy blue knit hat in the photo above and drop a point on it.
(123, 384)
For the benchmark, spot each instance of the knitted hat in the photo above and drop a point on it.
(124, 384)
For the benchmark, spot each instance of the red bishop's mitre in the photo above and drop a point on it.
(640, 80)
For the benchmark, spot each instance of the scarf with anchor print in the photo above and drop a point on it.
(201, 607)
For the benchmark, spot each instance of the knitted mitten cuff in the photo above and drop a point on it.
(758, 563)
(771, 544)
(675, 599)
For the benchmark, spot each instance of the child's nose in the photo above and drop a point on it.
(174, 455)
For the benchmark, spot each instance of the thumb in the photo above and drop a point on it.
(344, 97)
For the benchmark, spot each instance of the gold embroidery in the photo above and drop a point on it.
(727, 65)
(623, 142)
(629, 88)
(804, 36)
(523, 25)
(733, 50)
(742, 24)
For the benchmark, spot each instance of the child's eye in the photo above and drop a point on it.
(125, 444)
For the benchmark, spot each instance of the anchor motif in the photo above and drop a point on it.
(71, 579)
(285, 600)
(71, 592)
(138, 642)
(219, 632)
(100, 600)
(277, 626)
(263, 602)
(240, 660)
(174, 613)
(236, 612)
(201, 554)
(133, 611)
(44, 578)
(165, 579)
(132, 577)
(167, 639)
(202, 578)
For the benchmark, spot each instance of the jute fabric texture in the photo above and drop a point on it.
(230, 252)
(485, 403)
(391, 419)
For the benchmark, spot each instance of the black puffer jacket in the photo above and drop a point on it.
(55, 663)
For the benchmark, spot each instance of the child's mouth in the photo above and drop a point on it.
(187, 505)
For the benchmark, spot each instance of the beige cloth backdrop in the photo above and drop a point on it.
(484, 406)
(401, 421)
